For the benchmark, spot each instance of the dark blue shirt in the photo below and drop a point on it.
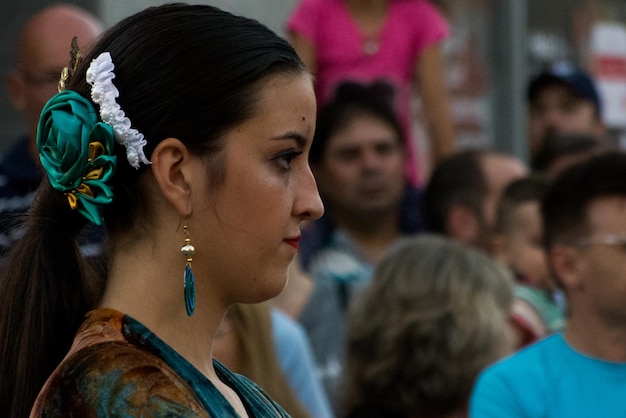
(20, 177)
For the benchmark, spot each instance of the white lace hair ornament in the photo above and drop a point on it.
(103, 92)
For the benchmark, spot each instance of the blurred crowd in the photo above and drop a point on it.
(484, 286)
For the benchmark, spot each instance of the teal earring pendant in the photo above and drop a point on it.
(189, 282)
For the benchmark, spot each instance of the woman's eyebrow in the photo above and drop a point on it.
(295, 136)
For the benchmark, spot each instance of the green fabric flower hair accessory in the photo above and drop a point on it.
(76, 150)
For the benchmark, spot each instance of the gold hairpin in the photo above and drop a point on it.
(68, 72)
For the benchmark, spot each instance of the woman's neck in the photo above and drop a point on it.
(367, 7)
(370, 15)
(147, 284)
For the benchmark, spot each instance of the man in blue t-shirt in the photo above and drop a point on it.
(582, 371)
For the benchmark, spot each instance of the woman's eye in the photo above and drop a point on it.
(284, 160)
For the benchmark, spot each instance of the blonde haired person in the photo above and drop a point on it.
(264, 344)
(244, 344)
(434, 315)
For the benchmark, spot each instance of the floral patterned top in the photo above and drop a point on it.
(118, 367)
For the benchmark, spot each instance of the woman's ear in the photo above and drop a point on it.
(171, 166)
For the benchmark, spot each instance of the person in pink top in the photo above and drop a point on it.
(397, 41)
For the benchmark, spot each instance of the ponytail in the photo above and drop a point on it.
(44, 294)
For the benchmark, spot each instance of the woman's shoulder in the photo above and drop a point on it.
(114, 362)
(114, 375)
(308, 13)
(307, 6)
(425, 11)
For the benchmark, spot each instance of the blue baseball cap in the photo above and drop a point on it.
(580, 83)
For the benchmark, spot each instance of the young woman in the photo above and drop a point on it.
(185, 131)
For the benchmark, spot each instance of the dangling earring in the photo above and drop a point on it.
(189, 284)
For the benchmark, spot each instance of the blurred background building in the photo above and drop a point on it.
(496, 45)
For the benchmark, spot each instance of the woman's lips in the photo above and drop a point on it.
(293, 242)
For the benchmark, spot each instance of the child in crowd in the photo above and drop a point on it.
(536, 310)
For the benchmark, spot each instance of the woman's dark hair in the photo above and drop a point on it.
(189, 72)
(354, 100)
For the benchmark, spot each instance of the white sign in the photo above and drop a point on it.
(608, 59)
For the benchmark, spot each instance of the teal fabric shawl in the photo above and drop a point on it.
(118, 368)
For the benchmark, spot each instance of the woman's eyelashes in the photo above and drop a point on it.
(285, 158)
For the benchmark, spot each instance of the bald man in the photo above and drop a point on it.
(43, 50)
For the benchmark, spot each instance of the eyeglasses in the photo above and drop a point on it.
(608, 239)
